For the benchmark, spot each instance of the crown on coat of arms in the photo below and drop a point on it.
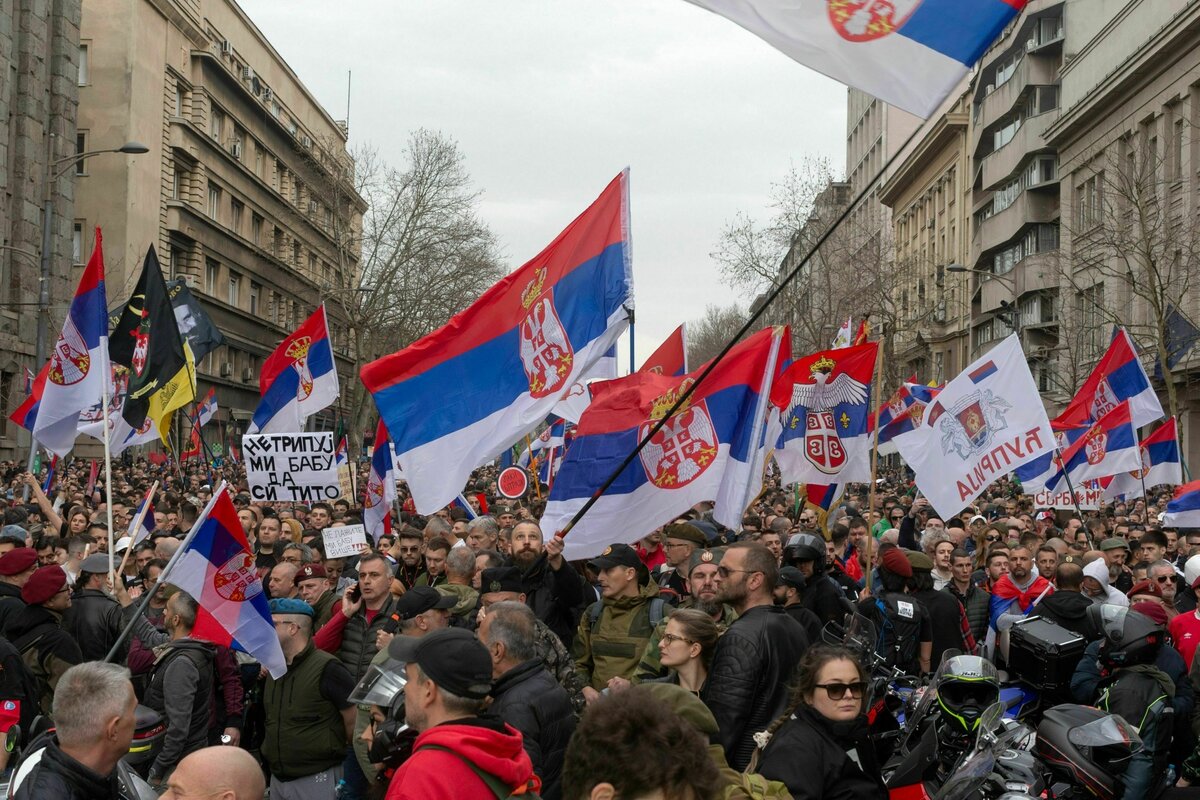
(822, 364)
(299, 348)
(663, 404)
(533, 288)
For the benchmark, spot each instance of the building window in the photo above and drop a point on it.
(235, 288)
(296, 254)
(216, 124)
(255, 297)
(238, 143)
(177, 179)
(178, 98)
(212, 272)
(280, 176)
(256, 226)
(214, 201)
(1176, 165)
(1087, 201)
(236, 207)
(1089, 305)
(77, 243)
(81, 148)
(258, 160)
(277, 243)
(312, 264)
(84, 67)
(296, 189)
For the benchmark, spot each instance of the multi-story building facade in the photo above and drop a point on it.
(1015, 182)
(39, 48)
(929, 194)
(1129, 160)
(247, 191)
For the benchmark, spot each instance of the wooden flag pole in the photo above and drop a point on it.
(874, 459)
(137, 527)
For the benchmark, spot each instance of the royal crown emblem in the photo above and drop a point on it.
(666, 401)
(813, 406)
(683, 448)
(534, 288)
(546, 353)
(237, 580)
(1096, 446)
(298, 351)
(1144, 454)
(70, 361)
(373, 496)
(864, 20)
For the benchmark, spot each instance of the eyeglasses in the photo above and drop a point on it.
(837, 691)
(725, 571)
(1165, 578)
(994, 538)
(670, 638)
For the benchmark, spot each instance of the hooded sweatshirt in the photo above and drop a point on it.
(486, 742)
(1098, 569)
(1068, 609)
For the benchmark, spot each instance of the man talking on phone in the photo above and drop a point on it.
(351, 635)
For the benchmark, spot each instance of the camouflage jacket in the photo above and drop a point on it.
(557, 659)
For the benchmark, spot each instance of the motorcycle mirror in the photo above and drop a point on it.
(12, 739)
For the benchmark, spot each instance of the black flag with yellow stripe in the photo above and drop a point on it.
(146, 339)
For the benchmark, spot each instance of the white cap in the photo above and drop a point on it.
(123, 544)
(1191, 570)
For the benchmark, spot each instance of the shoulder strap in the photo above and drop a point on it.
(594, 612)
(494, 784)
(657, 609)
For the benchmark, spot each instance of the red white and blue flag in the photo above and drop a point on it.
(458, 397)
(29, 377)
(341, 455)
(906, 409)
(140, 532)
(1107, 447)
(121, 434)
(25, 414)
(216, 567)
(712, 449)
(671, 356)
(1035, 476)
(1117, 376)
(908, 53)
(78, 366)
(298, 379)
(1183, 511)
(380, 491)
(207, 408)
(1160, 465)
(824, 402)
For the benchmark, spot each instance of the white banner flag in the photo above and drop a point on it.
(986, 422)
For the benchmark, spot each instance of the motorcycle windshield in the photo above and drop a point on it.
(380, 686)
(1109, 730)
(969, 777)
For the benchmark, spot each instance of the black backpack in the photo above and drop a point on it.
(18, 686)
(899, 631)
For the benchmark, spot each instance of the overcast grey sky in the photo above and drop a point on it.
(550, 100)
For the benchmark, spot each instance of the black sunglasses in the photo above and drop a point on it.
(992, 538)
(837, 691)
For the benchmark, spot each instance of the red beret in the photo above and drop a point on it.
(17, 560)
(309, 571)
(1145, 587)
(44, 583)
(894, 561)
(1153, 610)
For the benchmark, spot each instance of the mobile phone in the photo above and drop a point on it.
(355, 593)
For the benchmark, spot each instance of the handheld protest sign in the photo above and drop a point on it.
(513, 483)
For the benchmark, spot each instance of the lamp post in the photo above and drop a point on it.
(1008, 311)
(55, 169)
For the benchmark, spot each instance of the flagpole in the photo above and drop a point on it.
(108, 494)
(874, 458)
(747, 326)
(137, 526)
(162, 576)
(632, 368)
(1075, 500)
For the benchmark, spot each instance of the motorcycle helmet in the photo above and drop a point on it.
(805, 547)
(966, 686)
(1191, 571)
(1087, 747)
(1129, 637)
(383, 686)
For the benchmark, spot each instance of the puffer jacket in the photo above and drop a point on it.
(811, 756)
(976, 602)
(529, 699)
(620, 636)
(749, 677)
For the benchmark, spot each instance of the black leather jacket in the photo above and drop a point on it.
(95, 620)
(528, 698)
(556, 597)
(810, 755)
(749, 677)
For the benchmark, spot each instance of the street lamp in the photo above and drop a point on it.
(55, 169)
(1008, 311)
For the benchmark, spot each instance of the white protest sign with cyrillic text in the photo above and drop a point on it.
(291, 467)
(344, 541)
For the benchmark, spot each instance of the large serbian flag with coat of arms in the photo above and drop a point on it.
(463, 394)
(712, 448)
(1117, 376)
(216, 567)
(909, 53)
(298, 379)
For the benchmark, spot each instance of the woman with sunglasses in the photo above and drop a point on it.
(819, 748)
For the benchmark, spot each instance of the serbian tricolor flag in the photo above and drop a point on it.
(823, 496)
(298, 379)
(216, 567)
(1117, 376)
(554, 435)
(380, 491)
(29, 376)
(341, 454)
(1183, 511)
(712, 449)
(824, 400)
(456, 398)
(908, 53)
(1036, 475)
(906, 418)
(138, 533)
(1160, 465)
(671, 356)
(25, 414)
(1107, 447)
(78, 366)
(207, 408)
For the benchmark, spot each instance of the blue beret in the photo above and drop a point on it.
(288, 605)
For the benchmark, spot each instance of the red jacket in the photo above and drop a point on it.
(486, 742)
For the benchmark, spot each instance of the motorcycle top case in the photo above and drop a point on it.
(1043, 654)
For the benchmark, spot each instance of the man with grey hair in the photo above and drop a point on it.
(524, 693)
(297, 553)
(1164, 574)
(460, 570)
(482, 533)
(93, 707)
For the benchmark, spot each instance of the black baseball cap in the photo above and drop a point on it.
(451, 657)
(501, 579)
(420, 599)
(616, 555)
(790, 576)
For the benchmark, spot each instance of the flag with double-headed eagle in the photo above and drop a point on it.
(380, 492)
(713, 448)
(1160, 465)
(298, 379)
(458, 397)
(1117, 376)
(824, 403)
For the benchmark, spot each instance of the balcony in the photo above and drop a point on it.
(1036, 272)
(1030, 206)
(1002, 164)
(1033, 70)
